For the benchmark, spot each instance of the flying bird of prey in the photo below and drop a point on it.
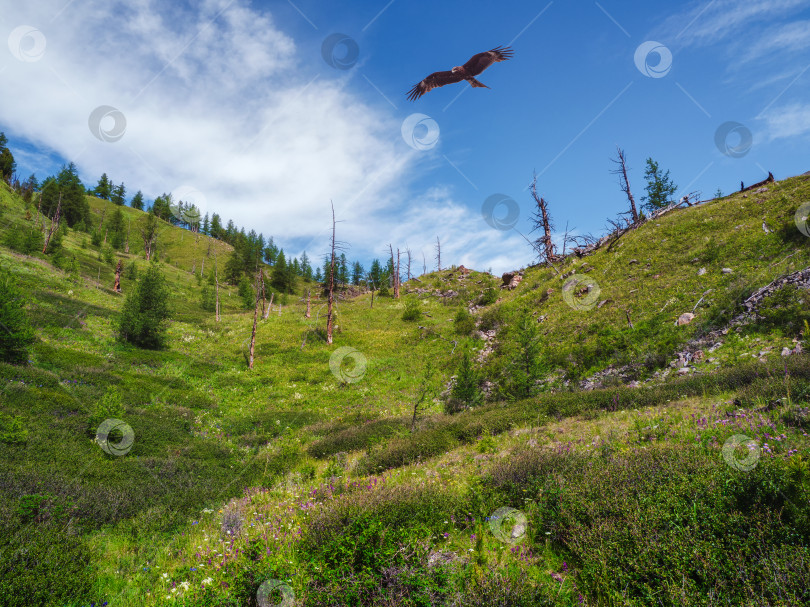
(477, 64)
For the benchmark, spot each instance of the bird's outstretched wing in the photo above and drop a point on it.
(436, 79)
(478, 63)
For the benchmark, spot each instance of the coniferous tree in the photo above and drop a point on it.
(117, 230)
(660, 187)
(161, 207)
(216, 226)
(104, 188)
(375, 274)
(465, 392)
(75, 208)
(357, 273)
(343, 270)
(145, 314)
(118, 195)
(318, 277)
(270, 252)
(137, 201)
(206, 226)
(526, 367)
(7, 162)
(16, 333)
(306, 267)
(280, 278)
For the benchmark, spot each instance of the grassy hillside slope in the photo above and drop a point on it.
(305, 474)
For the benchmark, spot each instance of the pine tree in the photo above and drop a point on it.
(7, 162)
(343, 270)
(216, 226)
(75, 208)
(104, 188)
(206, 226)
(526, 366)
(16, 333)
(280, 276)
(145, 314)
(318, 277)
(465, 392)
(357, 273)
(306, 267)
(137, 201)
(116, 230)
(660, 187)
(375, 274)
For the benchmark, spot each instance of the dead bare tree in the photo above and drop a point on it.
(129, 227)
(255, 321)
(269, 306)
(624, 182)
(263, 295)
(117, 285)
(424, 264)
(408, 251)
(216, 281)
(438, 255)
(422, 393)
(395, 267)
(101, 223)
(54, 223)
(542, 221)
(331, 282)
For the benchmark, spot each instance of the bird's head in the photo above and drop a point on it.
(458, 69)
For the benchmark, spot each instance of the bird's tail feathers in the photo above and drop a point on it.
(475, 84)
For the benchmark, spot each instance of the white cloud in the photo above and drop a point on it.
(788, 121)
(709, 21)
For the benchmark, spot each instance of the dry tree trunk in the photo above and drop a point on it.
(255, 320)
(424, 264)
(264, 298)
(54, 223)
(331, 284)
(101, 223)
(309, 298)
(438, 255)
(216, 281)
(117, 285)
(408, 251)
(624, 182)
(39, 211)
(543, 221)
(396, 279)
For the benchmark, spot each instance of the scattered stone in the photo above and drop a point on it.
(760, 190)
(698, 355)
(684, 370)
(701, 271)
(632, 261)
(685, 318)
(726, 270)
(797, 349)
(511, 280)
(603, 302)
(786, 351)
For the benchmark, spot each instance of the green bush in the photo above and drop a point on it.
(489, 297)
(491, 319)
(412, 311)
(27, 242)
(109, 407)
(787, 309)
(208, 298)
(12, 429)
(464, 322)
(144, 316)
(16, 333)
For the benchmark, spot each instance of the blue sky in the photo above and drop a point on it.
(234, 105)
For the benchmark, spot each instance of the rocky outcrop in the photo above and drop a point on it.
(511, 280)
